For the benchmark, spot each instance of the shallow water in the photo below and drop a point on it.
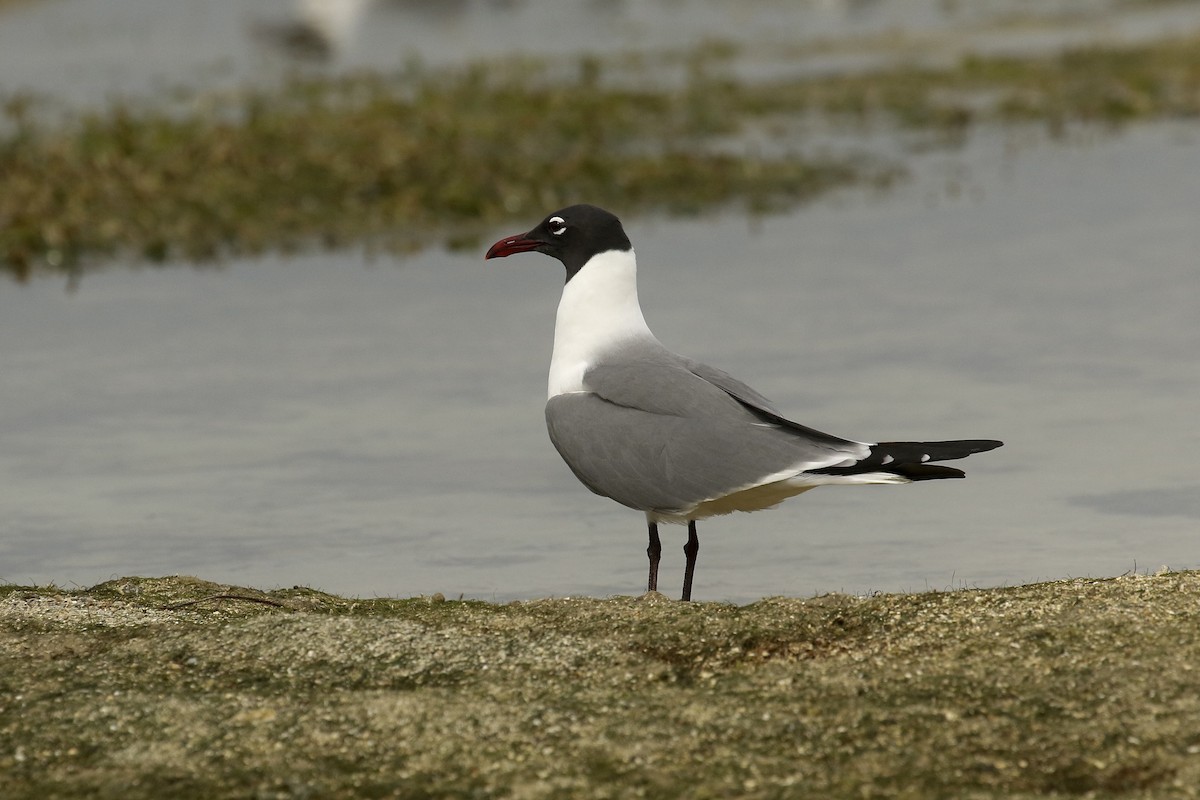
(375, 427)
(80, 53)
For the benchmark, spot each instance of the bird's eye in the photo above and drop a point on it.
(557, 225)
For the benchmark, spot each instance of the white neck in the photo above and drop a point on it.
(599, 309)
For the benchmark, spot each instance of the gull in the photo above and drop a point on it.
(673, 438)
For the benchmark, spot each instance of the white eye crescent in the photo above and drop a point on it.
(557, 225)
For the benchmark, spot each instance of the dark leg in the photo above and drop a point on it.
(689, 550)
(655, 553)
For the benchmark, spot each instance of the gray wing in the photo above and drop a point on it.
(729, 384)
(654, 434)
(755, 401)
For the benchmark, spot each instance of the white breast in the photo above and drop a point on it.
(599, 308)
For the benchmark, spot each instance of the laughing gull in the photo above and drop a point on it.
(668, 436)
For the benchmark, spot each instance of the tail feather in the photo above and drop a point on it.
(935, 451)
(911, 459)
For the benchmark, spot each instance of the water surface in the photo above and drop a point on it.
(374, 426)
(84, 52)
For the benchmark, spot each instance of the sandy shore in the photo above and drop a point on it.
(179, 687)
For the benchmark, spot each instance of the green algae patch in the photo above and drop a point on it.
(148, 687)
(398, 163)
(415, 159)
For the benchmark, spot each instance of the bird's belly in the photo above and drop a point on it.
(756, 498)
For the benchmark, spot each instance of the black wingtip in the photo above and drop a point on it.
(926, 472)
(935, 451)
(911, 459)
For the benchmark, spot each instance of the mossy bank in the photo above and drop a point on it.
(178, 687)
(408, 160)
